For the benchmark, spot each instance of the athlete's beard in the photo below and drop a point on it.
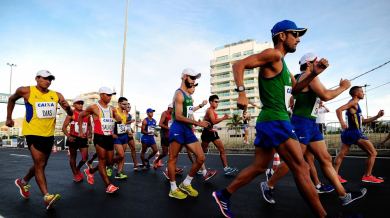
(290, 48)
(187, 83)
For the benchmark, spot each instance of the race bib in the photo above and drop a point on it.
(76, 127)
(314, 112)
(45, 110)
(190, 112)
(121, 128)
(108, 125)
(287, 95)
(128, 127)
(151, 129)
(170, 123)
(215, 127)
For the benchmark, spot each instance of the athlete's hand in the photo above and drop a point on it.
(345, 83)
(71, 139)
(114, 136)
(380, 114)
(320, 66)
(204, 103)
(242, 102)
(344, 126)
(132, 120)
(226, 116)
(204, 124)
(81, 134)
(10, 123)
(130, 134)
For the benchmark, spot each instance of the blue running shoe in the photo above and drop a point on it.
(230, 170)
(267, 193)
(353, 216)
(352, 196)
(324, 188)
(224, 204)
(269, 173)
(200, 172)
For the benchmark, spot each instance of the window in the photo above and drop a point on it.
(250, 71)
(238, 54)
(222, 103)
(248, 81)
(249, 52)
(225, 75)
(223, 67)
(220, 85)
(222, 58)
(223, 94)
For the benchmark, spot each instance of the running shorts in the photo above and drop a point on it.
(350, 137)
(104, 141)
(148, 140)
(273, 133)
(121, 140)
(208, 136)
(78, 143)
(42, 144)
(306, 129)
(181, 133)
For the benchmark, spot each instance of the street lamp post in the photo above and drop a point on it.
(124, 51)
(10, 80)
(365, 92)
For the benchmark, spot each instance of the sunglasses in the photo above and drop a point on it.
(216, 102)
(294, 33)
(124, 103)
(79, 102)
(192, 77)
(109, 95)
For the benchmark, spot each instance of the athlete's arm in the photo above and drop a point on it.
(115, 114)
(379, 115)
(162, 120)
(179, 99)
(20, 92)
(327, 110)
(325, 94)
(89, 127)
(349, 105)
(203, 104)
(291, 102)
(64, 104)
(143, 131)
(65, 131)
(257, 60)
(214, 121)
(318, 68)
(83, 114)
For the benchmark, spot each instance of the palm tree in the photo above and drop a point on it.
(235, 122)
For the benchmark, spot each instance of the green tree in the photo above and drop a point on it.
(235, 122)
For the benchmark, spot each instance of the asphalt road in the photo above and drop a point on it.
(145, 194)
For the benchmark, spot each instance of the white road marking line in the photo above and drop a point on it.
(20, 155)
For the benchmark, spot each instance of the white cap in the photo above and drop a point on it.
(190, 72)
(170, 105)
(308, 57)
(45, 73)
(106, 90)
(77, 99)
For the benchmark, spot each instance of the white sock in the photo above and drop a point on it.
(47, 194)
(319, 185)
(173, 186)
(187, 181)
(225, 168)
(204, 172)
(23, 182)
(166, 169)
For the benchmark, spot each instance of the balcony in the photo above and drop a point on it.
(214, 89)
(215, 79)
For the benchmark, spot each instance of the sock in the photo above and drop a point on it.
(47, 194)
(166, 169)
(204, 172)
(268, 186)
(108, 185)
(23, 182)
(225, 168)
(226, 194)
(187, 181)
(343, 197)
(319, 185)
(173, 186)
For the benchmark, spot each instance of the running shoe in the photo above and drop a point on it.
(137, 168)
(353, 216)
(224, 204)
(116, 165)
(230, 170)
(80, 175)
(77, 178)
(166, 173)
(89, 176)
(154, 166)
(372, 179)
(111, 189)
(120, 175)
(269, 173)
(341, 179)
(147, 162)
(192, 192)
(177, 170)
(267, 193)
(324, 188)
(177, 194)
(51, 200)
(210, 175)
(23, 188)
(200, 172)
(146, 167)
(89, 165)
(109, 171)
(352, 196)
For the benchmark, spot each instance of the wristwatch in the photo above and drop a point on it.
(200, 105)
(240, 89)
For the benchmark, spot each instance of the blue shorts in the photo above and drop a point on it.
(245, 127)
(148, 140)
(121, 140)
(181, 133)
(350, 137)
(139, 135)
(306, 129)
(273, 133)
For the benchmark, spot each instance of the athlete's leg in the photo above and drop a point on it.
(281, 170)
(205, 145)
(340, 156)
(133, 153)
(321, 153)
(72, 160)
(120, 155)
(174, 149)
(199, 155)
(309, 158)
(94, 156)
(121, 161)
(189, 153)
(218, 143)
(386, 139)
(84, 158)
(164, 153)
(154, 147)
(367, 146)
(38, 169)
(105, 158)
(144, 148)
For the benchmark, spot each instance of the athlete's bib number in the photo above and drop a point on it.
(190, 112)
(287, 95)
(215, 127)
(76, 127)
(170, 123)
(108, 125)
(121, 128)
(128, 127)
(314, 112)
(151, 129)
(45, 110)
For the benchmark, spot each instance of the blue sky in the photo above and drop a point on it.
(81, 43)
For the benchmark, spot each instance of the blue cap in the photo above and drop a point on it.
(150, 110)
(287, 25)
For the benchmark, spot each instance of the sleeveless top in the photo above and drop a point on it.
(354, 121)
(150, 125)
(74, 125)
(215, 126)
(128, 126)
(275, 96)
(188, 108)
(306, 104)
(41, 111)
(120, 128)
(105, 124)
(167, 122)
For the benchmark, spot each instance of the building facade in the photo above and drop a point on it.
(222, 80)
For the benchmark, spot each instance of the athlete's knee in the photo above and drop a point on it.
(222, 150)
(201, 159)
(372, 153)
(40, 164)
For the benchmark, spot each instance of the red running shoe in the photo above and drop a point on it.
(372, 179)
(80, 175)
(210, 175)
(177, 170)
(166, 173)
(341, 179)
(22, 188)
(77, 178)
(111, 189)
(51, 200)
(89, 176)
